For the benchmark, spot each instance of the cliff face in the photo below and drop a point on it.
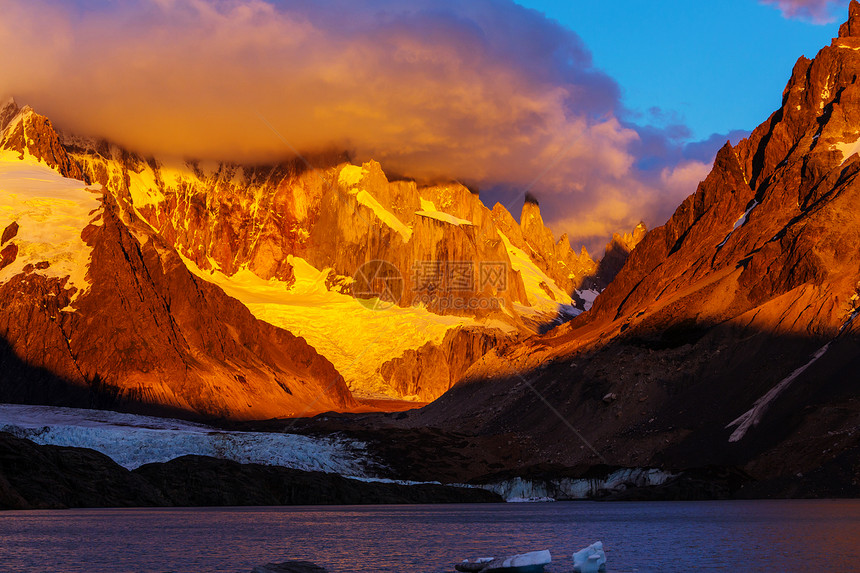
(429, 371)
(728, 337)
(773, 216)
(428, 234)
(28, 133)
(447, 251)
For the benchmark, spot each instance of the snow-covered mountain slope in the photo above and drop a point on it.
(356, 338)
(47, 214)
(238, 224)
(543, 295)
(132, 440)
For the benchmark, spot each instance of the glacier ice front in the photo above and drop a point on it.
(132, 440)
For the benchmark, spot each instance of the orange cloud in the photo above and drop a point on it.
(485, 91)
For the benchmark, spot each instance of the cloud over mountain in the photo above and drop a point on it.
(485, 91)
(816, 11)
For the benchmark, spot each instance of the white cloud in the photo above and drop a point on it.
(815, 11)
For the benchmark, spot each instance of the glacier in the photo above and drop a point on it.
(132, 440)
(522, 489)
(354, 338)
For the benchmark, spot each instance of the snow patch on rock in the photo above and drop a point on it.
(383, 214)
(351, 175)
(588, 297)
(741, 221)
(753, 416)
(349, 178)
(143, 188)
(429, 210)
(543, 294)
(847, 148)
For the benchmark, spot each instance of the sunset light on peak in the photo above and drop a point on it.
(456, 271)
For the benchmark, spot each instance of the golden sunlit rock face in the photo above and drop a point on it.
(144, 308)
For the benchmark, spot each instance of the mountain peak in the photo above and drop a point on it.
(851, 28)
(25, 131)
(530, 216)
(8, 111)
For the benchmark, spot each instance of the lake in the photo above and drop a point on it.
(777, 536)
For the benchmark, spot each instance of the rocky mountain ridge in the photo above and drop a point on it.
(285, 242)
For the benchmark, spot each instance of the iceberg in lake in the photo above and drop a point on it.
(590, 560)
(533, 562)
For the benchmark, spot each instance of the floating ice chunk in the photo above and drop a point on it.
(590, 560)
(532, 559)
(533, 562)
(473, 564)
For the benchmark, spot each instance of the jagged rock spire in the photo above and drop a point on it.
(851, 28)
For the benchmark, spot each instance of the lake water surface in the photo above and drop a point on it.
(779, 536)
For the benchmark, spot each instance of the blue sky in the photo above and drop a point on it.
(715, 69)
